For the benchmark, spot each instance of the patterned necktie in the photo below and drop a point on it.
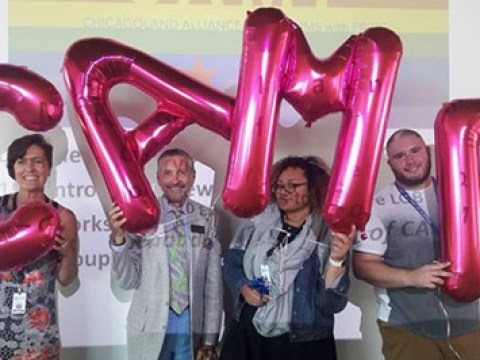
(179, 267)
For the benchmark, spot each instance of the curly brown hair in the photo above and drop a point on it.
(316, 172)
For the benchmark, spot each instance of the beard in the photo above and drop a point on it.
(414, 181)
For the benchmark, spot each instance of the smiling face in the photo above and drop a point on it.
(32, 170)
(291, 192)
(409, 159)
(175, 176)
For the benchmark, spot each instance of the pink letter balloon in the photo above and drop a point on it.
(91, 68)
(34, 101)
(358, 79)
(276, 64)
(456, 147)
(28, 234)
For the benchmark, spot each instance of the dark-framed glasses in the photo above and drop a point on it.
(289, 188)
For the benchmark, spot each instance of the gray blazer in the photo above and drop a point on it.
(142, 264)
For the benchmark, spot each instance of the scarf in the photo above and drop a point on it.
(284, 263)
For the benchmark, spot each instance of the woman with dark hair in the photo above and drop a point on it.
(31, 331)
(287, 271)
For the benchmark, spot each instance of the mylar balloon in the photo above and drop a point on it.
(33, 100)
(267, 39)
(358, 79)
(28, 234)
(91, 68)
(276, 63)
(457, 130)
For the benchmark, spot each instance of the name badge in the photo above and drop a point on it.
(19, 303)
(265, 272)
(197, 229)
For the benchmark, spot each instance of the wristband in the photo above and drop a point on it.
(336, 263)
(115, 244)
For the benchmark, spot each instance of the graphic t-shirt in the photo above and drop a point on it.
(397, 232)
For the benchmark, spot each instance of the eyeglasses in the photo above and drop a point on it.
(288, 187)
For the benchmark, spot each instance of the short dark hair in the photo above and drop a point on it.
(403, 132)
(315, 170)
(18, 148)
(178, 152)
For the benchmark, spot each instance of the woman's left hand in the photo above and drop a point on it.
(341, 244)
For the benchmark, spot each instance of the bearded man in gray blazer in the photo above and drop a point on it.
(176, 309)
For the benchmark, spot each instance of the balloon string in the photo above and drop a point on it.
(445, 313)
(184, 217)
(215, 201)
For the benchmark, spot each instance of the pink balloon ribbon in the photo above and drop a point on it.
(28, 234)
(32, 100)
(457, 130)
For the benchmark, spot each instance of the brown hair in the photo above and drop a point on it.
(314, 169)
(18, 148)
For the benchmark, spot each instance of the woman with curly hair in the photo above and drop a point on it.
(287, 272)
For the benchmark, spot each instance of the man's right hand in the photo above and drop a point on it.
(117, 220)
(429, 276)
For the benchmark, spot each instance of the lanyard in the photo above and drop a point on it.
(286, 235)
(419, 209)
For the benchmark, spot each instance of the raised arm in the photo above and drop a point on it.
(339, 251)
(126, 251)
(372, 269)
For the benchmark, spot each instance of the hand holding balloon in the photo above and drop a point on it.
(117, 222)
(63, 245)
(28, 234)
